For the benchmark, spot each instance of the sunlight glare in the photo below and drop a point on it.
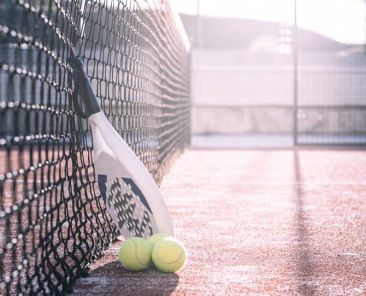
(341, 20)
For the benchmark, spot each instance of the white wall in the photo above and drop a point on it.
(234, 78)
(240, 92)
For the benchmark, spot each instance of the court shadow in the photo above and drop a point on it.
(112, 279)
(304, 266)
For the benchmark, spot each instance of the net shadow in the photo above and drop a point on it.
(303, 257)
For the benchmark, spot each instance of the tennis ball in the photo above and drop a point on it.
(169, 255)
(135, 254)
(156, 238)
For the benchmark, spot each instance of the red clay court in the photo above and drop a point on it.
(257, 222)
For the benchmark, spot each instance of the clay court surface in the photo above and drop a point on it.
(257, 222)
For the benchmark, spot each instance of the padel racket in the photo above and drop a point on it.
(130, 193)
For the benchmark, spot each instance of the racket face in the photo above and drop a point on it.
(127, 206)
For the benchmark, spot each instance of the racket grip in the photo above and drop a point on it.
(84, 100)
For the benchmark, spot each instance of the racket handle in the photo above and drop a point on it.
(83, 91)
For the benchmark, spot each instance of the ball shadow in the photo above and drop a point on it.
(115, 280)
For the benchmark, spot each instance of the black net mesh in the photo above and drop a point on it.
(52, 220)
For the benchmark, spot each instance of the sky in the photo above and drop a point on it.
(341, 20)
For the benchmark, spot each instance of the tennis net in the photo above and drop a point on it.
(53, 223)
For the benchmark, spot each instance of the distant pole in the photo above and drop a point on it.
(198, 25)
(295, 69)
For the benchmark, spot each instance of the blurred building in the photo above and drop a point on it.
(242, 79)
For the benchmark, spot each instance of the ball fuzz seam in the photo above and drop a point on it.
(135, 254)
(169, 255)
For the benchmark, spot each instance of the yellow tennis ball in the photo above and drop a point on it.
(169, 255)
(135, 254)
(156, 238)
